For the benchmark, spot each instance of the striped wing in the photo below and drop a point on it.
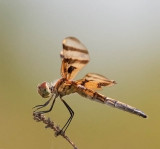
(95, 81)
(74, 57)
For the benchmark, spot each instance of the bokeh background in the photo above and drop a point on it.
(123, 38)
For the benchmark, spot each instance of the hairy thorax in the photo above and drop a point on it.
(65, 87)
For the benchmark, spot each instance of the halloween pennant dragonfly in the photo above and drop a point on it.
(74, 57)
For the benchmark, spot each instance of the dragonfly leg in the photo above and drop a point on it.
(69, 120)
(41, 106)
(41, 112)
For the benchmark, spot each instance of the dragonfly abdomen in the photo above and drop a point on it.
(109, 101)
(120, 105)
(124, 107)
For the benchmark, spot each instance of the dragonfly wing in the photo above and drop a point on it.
(74, 57)
(95, 81)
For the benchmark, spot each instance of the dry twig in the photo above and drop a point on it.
(50, 124)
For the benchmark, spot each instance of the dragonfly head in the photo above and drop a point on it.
(44, 90)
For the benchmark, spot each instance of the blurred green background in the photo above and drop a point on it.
(123, 38)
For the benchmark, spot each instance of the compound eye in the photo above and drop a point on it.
(44, 90)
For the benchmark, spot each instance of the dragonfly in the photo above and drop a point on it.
(75, 56)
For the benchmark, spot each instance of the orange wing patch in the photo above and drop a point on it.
(95, 81)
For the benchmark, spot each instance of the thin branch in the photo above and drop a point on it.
(50, 124)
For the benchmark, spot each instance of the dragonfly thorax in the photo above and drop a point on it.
(65, 87)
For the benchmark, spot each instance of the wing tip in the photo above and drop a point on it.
(114, 82)
(71, 38)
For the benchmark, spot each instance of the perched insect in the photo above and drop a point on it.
(74, 57)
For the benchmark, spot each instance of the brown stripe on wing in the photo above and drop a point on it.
(95, 76)
(98, 77)
(72, 61)
(69, 48)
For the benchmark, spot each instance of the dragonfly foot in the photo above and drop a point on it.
(60, 132)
